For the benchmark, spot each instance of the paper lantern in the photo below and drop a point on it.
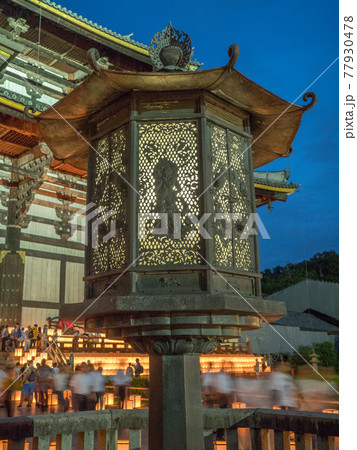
(109, 398)
(16, 396)
(123, 445)
(137, 400)
(330, 411)
(220, 445)
(239, 405)
(128, 404)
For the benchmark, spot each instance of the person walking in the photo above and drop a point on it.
(10, 384)
(44, 372)
(121, 382)
(283, 392)
(28, 385)
(33, 336)
(60, 383)
(256, 367)
(80, 384)
(22, 338)
(264, 365)
(5, 336)
(39, 340)
(138, 368)
(27, 339)
(129, 371)
(98, 385)
(16, 334)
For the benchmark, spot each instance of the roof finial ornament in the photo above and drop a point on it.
(233, 53)
(313, 97)
(97, 62)
(171, 49)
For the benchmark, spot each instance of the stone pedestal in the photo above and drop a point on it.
(175, 414)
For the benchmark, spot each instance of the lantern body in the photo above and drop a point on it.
(173, 173)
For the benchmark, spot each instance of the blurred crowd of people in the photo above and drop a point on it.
(19, 337)
(275, 389)
(87, 385)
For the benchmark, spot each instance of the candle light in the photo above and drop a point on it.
(128, 404)
(136, 400)
(220, 445)
(109, 398)
(238, 405)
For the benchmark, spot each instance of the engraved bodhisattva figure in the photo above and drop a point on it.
(168, 195)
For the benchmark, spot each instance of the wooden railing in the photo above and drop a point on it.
(94, 344)
(56, 354)
(256, 429)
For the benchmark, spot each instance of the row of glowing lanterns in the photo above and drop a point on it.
(134, 401)
(111, 364)
(122, 444)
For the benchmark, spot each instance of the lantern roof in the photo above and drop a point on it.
(274, 122)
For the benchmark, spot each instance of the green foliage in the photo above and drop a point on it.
(140, 382)
(326, 355)
(296, 360)
(322, 266)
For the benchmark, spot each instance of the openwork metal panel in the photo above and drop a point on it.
(221, 193)
(168, 183)
(110, 194)
(242, 202)
(231, 193)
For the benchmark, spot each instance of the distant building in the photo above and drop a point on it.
(312, 318)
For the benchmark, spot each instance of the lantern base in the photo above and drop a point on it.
(175, 412)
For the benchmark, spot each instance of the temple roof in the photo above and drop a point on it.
(275, 179)
(274, 121)
(306, 321)
(65, 15)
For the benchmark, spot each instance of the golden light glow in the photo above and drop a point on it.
(123, 445)
(128, 404)
(220, 445)
(137, 400)
(238, 405)
(109, 399)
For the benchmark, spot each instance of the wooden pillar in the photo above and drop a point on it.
(12, 266)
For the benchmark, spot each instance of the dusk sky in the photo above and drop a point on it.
(284, 46)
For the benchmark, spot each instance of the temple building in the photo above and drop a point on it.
(312, 318)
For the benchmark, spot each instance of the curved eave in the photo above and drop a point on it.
(16, 105)
(274, 121)
(275, 189)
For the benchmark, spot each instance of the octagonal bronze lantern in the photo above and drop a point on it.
(170, 158)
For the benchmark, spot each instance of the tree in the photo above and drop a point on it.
(327, 355)
(325, 351)
(322, 266)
